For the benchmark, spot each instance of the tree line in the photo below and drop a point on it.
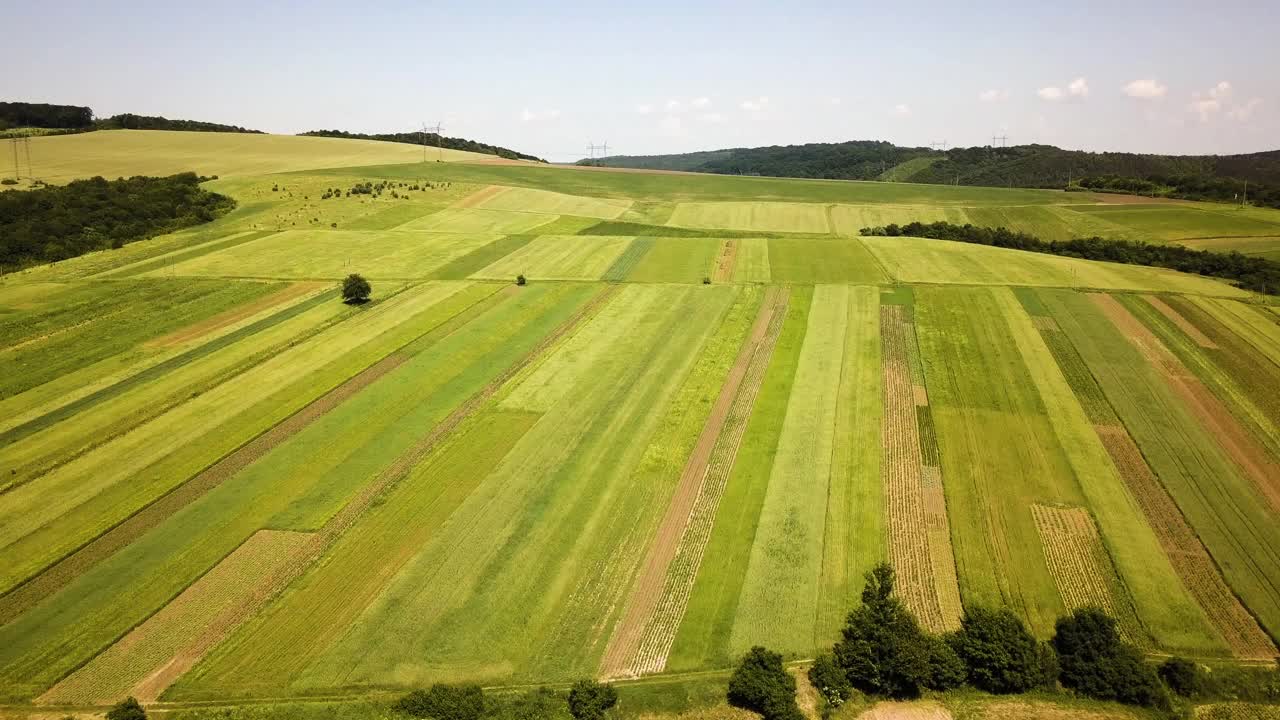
(51, 223)
(1188, 187)
(44, 115)
(129, 121)
(1245, 271)
(430, 139)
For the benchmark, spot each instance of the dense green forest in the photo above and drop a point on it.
(129, 121)
(44, 115)
(1246, 271)
(417, 138)
(1194, 177)
(48, 224)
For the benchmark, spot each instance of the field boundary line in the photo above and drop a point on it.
(322, 540)
(58, 574)
(659, 594)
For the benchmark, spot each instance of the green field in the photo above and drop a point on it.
(218, 483)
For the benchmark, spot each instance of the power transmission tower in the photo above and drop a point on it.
(17, 171)
(1002, 138)
(936, 145)
(438, 129)
(592, 148)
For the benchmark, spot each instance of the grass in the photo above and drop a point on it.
(552, 257)
(752, 263)
(758, 216)
(821, 261)
(685, 260)
(541, 201)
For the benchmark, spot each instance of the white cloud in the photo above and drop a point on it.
(902, 110)
(1078, 87)
(755, 104)
(528, 115)
(1146, 89)
(1244, 112)
(644, 108)
(1206, 105)
(1221, 91)
(993, 95)
(1206, 108)
(701, 102)
(1051, 93)
(674, 106)
(711, 118)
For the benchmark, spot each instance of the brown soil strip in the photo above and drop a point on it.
(131, 665)
(921, 395)
(1183, 324)
(1186, 553)
(920, 710)
(479, 196)
(725, 261)
(910, 550)
(1257, 464)
(1080, 565)
(318, 543)
(628, 654)
(236, 314)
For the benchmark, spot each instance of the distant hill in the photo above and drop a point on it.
(1197, 177)
(416, 138)
(129, 121)
(78, 118)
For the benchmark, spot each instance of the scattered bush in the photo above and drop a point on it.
(590, 700)
(829, 680)
(1097, 663)
(1000, 654)
(8, 181)
(127, 709)
(1181, 676)
(762, 685)
(355, 289)
(444, 702)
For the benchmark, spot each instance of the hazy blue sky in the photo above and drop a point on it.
(1180, 77)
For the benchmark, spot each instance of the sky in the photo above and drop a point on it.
(549, 78)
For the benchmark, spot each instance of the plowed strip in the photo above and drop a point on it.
(56, 576)
(1186, 553)
(236, 314)
(131, 666)
(643, 637)
(480, 196)
(1183, 324)
(1232, 437)
(319, 542)
(725, 261)
(1080, 565)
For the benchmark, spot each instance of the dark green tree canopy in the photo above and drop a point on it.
(1096, 662)
(127, 709)
(444, 702)
(761, 684)
(590, 700)
(999, 652)
(882, 648)
(355, 289)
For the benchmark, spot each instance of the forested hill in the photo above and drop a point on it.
(129, 121)
(1207, 177)
(416, 138)
(78, 118)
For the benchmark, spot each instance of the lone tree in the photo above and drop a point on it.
(520, 279)
(355, 290)
(761, 684)
(590, 700)
(127, 709)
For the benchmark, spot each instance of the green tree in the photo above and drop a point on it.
(127, 709)
(520, 279)
(829, 680)
(590, 700)
(882, 649)
(355, 289)
(1096, 662)
(444, 702)
(762, 685)
(1181, 676)
(1000, 654)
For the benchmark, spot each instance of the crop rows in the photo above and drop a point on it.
(1186, 553)
(725, 261)
(133, 665)
(910, 551)
(1077, 374)
(1183, 324)
(628, 260)
(643, 638)
(1080, 565)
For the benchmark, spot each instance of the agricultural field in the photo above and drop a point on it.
(711, 409)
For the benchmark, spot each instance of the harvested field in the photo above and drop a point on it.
(141, 663)
(1081, 567)
(921, 710)
(1237, 711)
(725, 261)
(643, 636)
(1184, 549)
(922, 589)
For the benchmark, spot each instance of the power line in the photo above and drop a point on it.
(592, 148)
(438, 129)
(1004, 140)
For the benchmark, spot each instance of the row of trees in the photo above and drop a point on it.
(430, 139)
(129, 121)
(1188, 187)
(884, 652)
(48, 224)
(1246, 271)
(586, 700)
(44, 115)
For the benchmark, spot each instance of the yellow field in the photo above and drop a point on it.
(116, 153)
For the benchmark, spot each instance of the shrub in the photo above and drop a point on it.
(829, 680)
(355, 289)
(1181, 676)
(520, 280)
(8, 181)
(882, 649)
(706, 280)
(1095, 662)
(1000, 655)
(127, 709)
(762, 685)
(946, 669)
(444, 702)
(590, 700)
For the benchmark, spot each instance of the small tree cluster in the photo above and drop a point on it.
(999, 653)
(127, 709)
(591, 700)
(762, 685)
(1096, 662)
(444, 702)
